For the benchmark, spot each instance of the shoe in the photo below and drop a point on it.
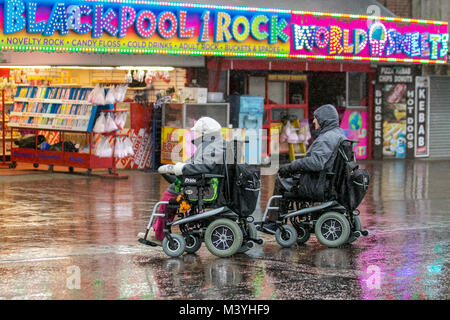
(150, 237)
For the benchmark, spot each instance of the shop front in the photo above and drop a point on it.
(285, 63)
(368, 68)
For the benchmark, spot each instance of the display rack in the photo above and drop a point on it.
(5, 152)
(61, 109)
(113, 171)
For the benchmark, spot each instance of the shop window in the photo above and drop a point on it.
(297, 92)
(356, 89)
(325, 88)
(257, 86)
(223, 81)
(277, 92)
(237, 82)
(279, 113)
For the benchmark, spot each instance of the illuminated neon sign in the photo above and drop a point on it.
(376, 39)
(152, 27)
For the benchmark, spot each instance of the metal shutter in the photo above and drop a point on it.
(440, 117)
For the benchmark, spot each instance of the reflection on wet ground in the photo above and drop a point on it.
(51, 225)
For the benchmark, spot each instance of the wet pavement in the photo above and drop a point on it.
(56, 226)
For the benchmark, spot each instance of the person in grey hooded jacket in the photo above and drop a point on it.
(320, 155)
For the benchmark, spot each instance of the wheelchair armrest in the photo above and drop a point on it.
(198, 180)
(208, 175)
(170, 178)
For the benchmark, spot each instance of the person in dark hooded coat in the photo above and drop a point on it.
(320, 155)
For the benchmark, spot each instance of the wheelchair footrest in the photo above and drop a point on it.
(257, 241)
(365, 233)
(147, 243)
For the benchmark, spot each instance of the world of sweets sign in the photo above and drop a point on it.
(152, 27)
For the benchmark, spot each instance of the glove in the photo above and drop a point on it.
(178, 168)
(285, 171)
(168, 168)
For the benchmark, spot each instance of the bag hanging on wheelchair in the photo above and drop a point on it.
(350, 184)
(245, 184)
(357, 186)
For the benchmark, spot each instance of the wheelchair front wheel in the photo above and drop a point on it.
(358, 227)
(193, 244)
(176, 248)
(286, 236)
(332, 229)
(303, 234)
(252, 234)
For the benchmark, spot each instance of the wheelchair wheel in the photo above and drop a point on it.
(286, 236)
(223, 237)
(303, 233)
(193, 244)
(332, 229)
(358, 227)
(177, 247)
(252, 233)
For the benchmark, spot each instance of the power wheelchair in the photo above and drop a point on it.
(202, 215)
(329, 218)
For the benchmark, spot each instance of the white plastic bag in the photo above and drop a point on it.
(129, 77)
(92, 95)
(128, 146)
(111, 96)
(103, 148)
(120, 93)
(119, 151)
(110, 125)
(141, 75)
(98, 98)
(99, 126)
(120, 119)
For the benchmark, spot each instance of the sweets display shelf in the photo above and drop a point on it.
(6, 136)
(5, 141)
(61, 109)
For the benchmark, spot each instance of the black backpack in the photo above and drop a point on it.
(244, 183)
(349, 184)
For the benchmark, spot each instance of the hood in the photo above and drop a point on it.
(209, 149)
(328, 117)
(206, 129)
(206, 125)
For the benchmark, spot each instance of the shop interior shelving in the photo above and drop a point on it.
(61, 115)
